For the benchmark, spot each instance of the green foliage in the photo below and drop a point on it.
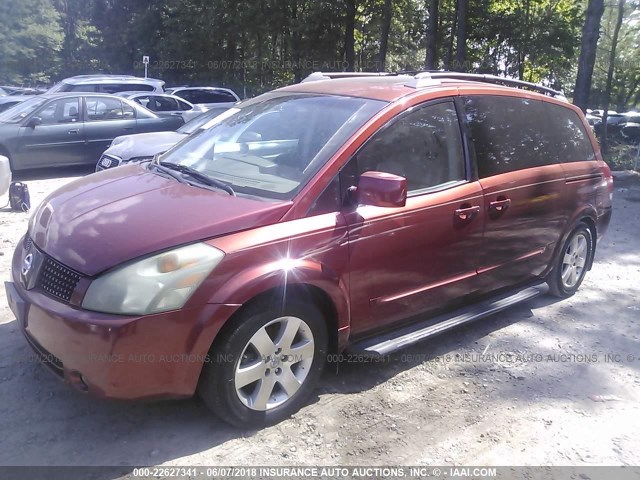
(30, 40)
(625, 93)
(258, 45)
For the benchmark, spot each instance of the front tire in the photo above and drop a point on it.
(572, 263)
(265, 365)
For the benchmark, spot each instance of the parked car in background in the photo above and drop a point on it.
(371, 214)
(206, 96)
(614, 124)
(71, 129)
(9, 101)
(144, 146)
(164, 104)
(630, 129)
(9, 90)
(599, 113)
(108, 84)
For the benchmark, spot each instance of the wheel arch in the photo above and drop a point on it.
(587, 216)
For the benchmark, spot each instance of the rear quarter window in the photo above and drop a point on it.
(513, 133)
(570, 138)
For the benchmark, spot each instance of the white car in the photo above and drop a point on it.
(163, 104)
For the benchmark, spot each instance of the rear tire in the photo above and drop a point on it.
(572, 263)
(265, 365)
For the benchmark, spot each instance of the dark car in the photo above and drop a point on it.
(71, 129)
(615, 122)
(365, 215)
(144, 146)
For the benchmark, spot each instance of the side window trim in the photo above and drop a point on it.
(471, 163)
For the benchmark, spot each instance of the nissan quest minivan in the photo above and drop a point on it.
(347, 213)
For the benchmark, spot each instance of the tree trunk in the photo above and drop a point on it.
(349, 37)
(384, 35)
(612, 61)
(522, 48)
(452, 37)
(587, 59)
(461, 42)
(431, 61)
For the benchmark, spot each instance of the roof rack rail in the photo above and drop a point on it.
(335, 75)
(422, 78)
(507, 82)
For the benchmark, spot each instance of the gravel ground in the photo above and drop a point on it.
(530, 386)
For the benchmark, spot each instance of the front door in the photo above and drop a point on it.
(57, 140)
(421, 257)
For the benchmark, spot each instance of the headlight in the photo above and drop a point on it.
(155, 284)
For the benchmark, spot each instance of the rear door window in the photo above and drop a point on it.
(509, 133)
(164, 104)
(99, 109)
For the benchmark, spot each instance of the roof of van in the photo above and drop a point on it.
(393, 87)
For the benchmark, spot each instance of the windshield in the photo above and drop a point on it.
(200, 120)
(272, 145)
(19, 112)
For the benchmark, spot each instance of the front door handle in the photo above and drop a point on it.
(467, 212)
(500, 205)
(75, 131)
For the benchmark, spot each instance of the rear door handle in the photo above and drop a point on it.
(73, 132)
(500, 205)
(466, 213)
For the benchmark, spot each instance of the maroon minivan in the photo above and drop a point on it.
(349, 212)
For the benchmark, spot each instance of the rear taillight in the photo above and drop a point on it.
(607, 177)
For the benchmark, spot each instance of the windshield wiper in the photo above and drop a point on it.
(199, 176)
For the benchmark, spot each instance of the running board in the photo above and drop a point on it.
(390, 342)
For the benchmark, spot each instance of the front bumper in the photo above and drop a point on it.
(115, 356)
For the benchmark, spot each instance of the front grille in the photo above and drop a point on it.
(108, 161)
(57, 280)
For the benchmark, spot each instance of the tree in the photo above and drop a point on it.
(349, 35)
(30, 40)
(587, 59)
(461, 45)
(384, 34)
(612, 61)
(431, 59)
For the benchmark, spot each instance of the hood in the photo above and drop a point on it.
(108, 218)
(144, 144)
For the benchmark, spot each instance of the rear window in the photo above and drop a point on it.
(206, 96)
(511, 133)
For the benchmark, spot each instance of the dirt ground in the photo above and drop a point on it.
(530, 386)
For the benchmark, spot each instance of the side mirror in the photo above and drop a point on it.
(34, 122)
(382, 189)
